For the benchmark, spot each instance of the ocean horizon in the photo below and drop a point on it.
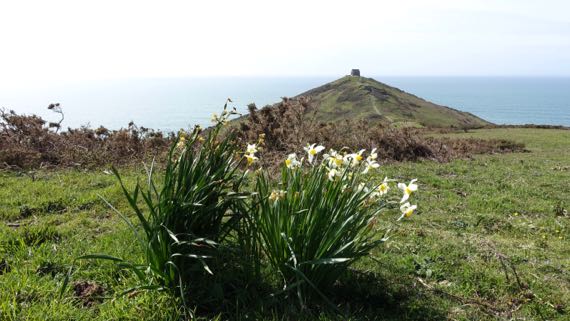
(169, 104)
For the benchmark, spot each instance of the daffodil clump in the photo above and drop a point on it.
(183, 216)
(307, 226)
(322, 214)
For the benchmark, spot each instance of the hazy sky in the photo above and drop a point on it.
(76, 40)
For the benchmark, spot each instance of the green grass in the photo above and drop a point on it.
(478, 222)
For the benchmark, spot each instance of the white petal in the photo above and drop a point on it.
(402, 186)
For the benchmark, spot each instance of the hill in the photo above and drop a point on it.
(355, 97)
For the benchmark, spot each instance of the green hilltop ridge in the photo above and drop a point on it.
(355, 97)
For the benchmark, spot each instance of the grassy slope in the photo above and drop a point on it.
(470, 210)
(359, 97)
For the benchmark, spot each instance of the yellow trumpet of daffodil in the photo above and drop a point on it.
(250, 159)
(292, 162)
(312, 151)
(407, 210)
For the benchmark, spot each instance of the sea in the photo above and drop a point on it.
(169, 104)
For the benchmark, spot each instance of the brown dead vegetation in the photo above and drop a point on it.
(30, 142)
(291, 124)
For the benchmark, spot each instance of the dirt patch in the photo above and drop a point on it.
(89, 293)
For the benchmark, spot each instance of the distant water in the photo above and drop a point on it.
(170, 104)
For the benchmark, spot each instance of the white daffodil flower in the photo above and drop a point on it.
(333, 172)
(358, 156)
(312, 151)
(292, 162)
(370, 164)
(250, 159)
(333, 159)
(407, 210)
(251, 149)
(362, 188)
(347, 159)
(373, 155)
(354, 159)
(384, 187)
(408, 189)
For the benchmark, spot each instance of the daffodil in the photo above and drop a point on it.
(408, 189)
(292, 162)
(277, 195)
(333, 159)
(354, 159)
(251, 149)
(337, 161)
(358, 156)
(407, 210)
(333, 172)
(312, 151)
(373, 155)
(250, 159)
(181, 142)
(384, 187)
(362, 188)
(370, 164)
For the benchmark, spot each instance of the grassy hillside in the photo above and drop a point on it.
(491, 241)
(365, 98)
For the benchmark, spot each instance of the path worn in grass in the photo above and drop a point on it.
(491, 241)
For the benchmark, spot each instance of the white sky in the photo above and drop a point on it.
(78, 40)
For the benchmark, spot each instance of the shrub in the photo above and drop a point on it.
(27, 142)
(317, 220)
